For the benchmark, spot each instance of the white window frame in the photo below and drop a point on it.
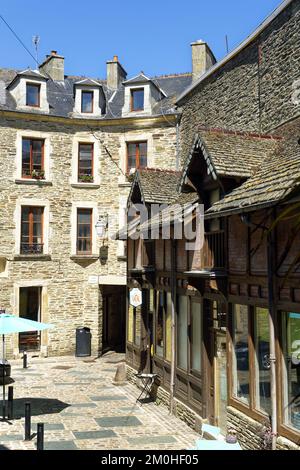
(97, 112)
(47, 152)
(18, 91)
(85, 138)
(132, 138)
(46, 223)
(95, 215)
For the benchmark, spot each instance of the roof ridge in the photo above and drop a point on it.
(240, 133)
(172, 75)
(162, 170)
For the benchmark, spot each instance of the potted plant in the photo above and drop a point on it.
(38, 175)
(86, 178)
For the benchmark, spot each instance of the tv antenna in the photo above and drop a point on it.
(36, 41)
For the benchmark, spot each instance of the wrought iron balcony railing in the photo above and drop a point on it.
(32, 248)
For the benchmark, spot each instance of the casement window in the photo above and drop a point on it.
(33, 92)
(159, 324)
(85, 162)
(189, 334)
(87, 101)
(33, 158)
(32, 230)
(182, 332)
(251, 357)
(136, 155)
(137, 99)
(84, 231)
(291, 370)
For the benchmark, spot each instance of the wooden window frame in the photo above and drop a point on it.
(30, 223)
(84, 209)
(31, 139)
(137, 154)
(90, 92)
(283, 429)
(132, 91)
(35, 85)
(250, 409)
(78, 161)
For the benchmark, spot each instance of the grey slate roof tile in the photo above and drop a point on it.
(60, 94)
(277, 177)
(157, 186)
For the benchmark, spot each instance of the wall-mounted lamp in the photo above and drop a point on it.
(101, 225)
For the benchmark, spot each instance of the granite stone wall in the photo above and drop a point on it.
(253, 91)
(70, 297)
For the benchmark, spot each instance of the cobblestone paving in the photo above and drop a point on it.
(81, 409)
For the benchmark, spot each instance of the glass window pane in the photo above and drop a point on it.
(169, 327)
(137, 100)
(26, 157)
(87, 102)
(160, 325)
(291, 369)
(182, 332)
(32, 95)
(241, 353)
(196, 320)
(84, 217)
(262, 360)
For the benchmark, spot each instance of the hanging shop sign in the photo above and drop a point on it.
(135, 297)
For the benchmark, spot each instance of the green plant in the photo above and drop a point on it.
(86, 178)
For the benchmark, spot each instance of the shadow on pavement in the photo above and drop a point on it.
(39, 406)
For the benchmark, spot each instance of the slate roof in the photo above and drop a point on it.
(141, 78)
(156, 186)
(230, 153)
(277, 177)
(60, 94)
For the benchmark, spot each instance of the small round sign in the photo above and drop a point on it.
(135, 297)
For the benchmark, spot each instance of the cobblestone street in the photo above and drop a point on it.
(82, 409)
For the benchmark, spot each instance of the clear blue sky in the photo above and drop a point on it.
(153, 36)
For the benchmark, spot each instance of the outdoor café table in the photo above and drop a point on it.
(147, 381)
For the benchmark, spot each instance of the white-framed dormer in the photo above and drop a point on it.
(89, 99)
(29, 90)
(26, 138)
(140, 95)
(44, 207)
(80, 140)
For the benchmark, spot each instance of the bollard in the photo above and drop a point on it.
(40, 437)
(24, 360)
(27, 421)
(10, 403)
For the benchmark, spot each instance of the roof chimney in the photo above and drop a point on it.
(54, 66)
(115, 73)
(202, 58)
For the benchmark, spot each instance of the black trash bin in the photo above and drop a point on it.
(83, 342)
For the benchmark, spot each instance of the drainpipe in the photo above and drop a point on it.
(173, 331)
(272, 327)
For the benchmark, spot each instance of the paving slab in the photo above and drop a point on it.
(83, 410)
(118, 421)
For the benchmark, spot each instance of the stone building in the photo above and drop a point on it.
(220, 325)
(68, 146)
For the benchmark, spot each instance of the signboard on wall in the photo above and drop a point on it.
(135, 297)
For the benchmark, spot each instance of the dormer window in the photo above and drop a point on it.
(137, 99)
(33, 94)
(87, 100)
